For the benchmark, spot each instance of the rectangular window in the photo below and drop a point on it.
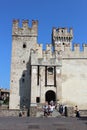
(37, 99)
(45, 75)
(54, 76)
(38, 75)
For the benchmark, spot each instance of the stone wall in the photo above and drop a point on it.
(33, 111)
(4, 112)
(74, 78)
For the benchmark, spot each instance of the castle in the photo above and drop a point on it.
(57, 73)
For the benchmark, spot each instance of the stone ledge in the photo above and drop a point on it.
(5, 113)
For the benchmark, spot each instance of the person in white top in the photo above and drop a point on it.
(52, 107)
(45, 109)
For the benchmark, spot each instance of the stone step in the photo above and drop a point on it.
(54, 114)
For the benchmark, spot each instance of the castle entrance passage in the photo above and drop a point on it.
(50, 95)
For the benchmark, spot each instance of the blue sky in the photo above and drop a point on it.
(49, 13)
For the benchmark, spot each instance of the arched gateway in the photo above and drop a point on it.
(50, 95)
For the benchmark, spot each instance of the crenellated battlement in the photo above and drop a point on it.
(84, 45)
(66, 53)
(25, 23)
(62, 31)
(48, 58)
(49, 47)
(60, 35)
(77, 47)
(61, 40)
(25, 30)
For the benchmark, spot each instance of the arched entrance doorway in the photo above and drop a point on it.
(50, 95)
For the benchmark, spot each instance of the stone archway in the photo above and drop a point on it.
(50, 95)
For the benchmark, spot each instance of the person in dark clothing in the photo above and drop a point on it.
(66, 114)
(20, 114)
(77, 111)
(61, 109)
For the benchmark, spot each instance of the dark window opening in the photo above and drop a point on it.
(37, 99)
(55, 76)
(50, 70)
(23, 75)
(45, 75)
(38, 75)
(62, 31)
(23, 61)
(24, 45)
(63, 43)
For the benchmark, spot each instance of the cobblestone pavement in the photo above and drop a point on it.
(28, 123)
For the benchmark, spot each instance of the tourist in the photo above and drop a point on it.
(61, 109)
(51, 109)
(45, 109)
(65, 111)
(77, 111)
(20, 114)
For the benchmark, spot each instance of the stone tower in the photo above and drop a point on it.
(61, 36)
(23, 39)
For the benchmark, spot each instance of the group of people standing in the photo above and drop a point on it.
(48, 108)
(63, 110)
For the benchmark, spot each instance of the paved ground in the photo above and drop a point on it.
(28, 123)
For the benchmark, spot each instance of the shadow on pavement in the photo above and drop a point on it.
(83, 118)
